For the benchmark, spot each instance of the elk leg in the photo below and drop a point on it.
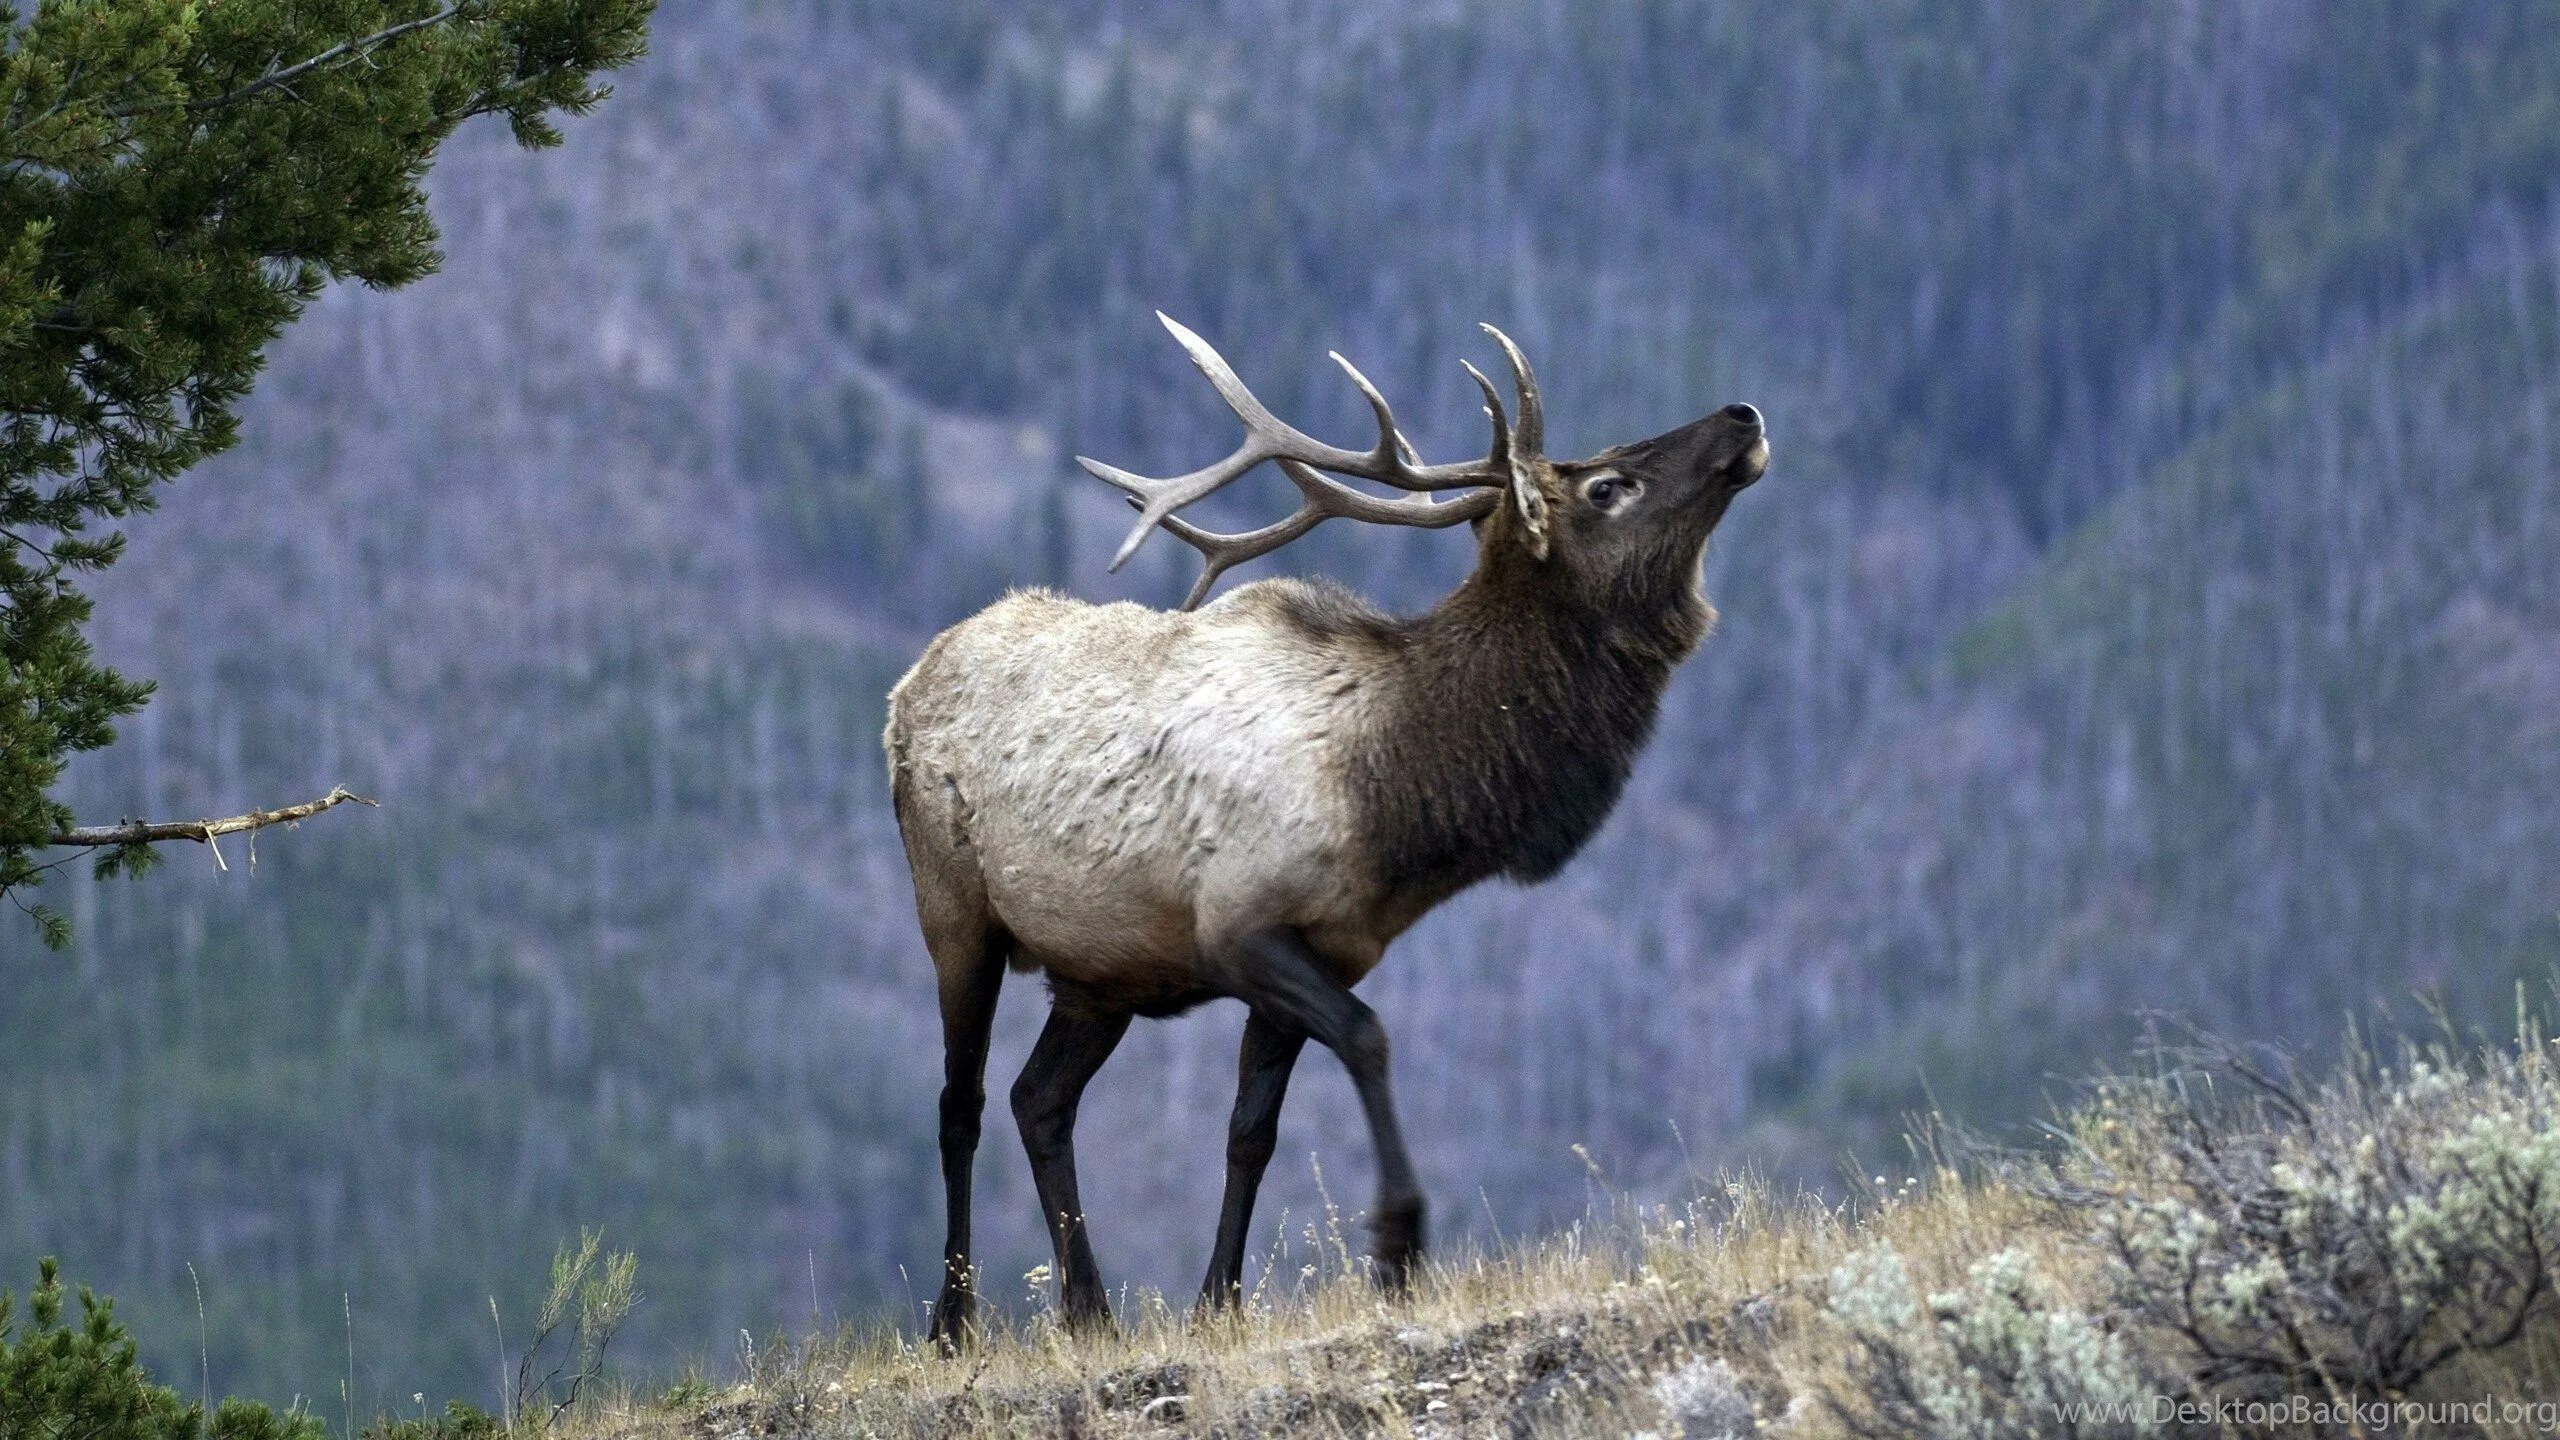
(970, 975)
(1263, 1063)
(1070, 1049)
(1280, 975)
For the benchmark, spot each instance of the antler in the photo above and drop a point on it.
(1301, 457)
(1325, 500)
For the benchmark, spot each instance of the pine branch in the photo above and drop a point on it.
(206, 832)
(276, 79)
(13, 536)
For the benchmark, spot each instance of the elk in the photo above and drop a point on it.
(1252, 798)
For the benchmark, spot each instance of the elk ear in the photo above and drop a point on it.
(1529, 500)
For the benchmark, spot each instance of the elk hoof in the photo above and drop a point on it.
(1399, 1235)
(955, 1322)
(1088, 1316)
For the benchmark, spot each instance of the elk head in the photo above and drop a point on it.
(1624, 527)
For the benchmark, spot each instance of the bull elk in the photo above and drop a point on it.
(1251, 799)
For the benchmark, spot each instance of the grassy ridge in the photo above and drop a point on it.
(2219, 1244)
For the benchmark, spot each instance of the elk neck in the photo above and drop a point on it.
(1507, 721)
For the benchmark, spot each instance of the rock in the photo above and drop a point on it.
(1142, 1385)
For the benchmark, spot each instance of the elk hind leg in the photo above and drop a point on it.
(969, 966)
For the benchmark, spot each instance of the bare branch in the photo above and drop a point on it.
(203, 832)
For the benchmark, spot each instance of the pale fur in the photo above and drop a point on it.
(1125, 790)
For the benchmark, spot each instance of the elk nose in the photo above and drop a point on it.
(1742, 415)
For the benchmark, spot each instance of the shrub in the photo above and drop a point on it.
(1998, 1357)
(2240, 1243)
(2352, 1239)
(592, 1292)
(83, 1380)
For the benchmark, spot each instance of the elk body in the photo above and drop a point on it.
(1253, 799)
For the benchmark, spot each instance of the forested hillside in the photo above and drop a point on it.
(2150, 604)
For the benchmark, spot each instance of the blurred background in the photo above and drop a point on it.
(2152, 604)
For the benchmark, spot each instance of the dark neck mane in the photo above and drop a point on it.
(1508, 724)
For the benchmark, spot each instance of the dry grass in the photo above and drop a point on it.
(1648, 1320)
(1547, 1329)
(2007, 1285)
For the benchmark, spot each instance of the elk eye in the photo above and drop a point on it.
(1610, 492)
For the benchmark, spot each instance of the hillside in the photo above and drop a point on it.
(2146, 609)
(2215, 1246)
(2255, 743)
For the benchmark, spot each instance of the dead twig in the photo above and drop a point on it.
(203, 832)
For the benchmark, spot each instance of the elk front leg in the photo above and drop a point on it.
(1269, 1052)
(1281, 976)
(1070, 1049)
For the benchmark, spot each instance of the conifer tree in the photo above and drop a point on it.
(83, 1379)
(178, 179)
